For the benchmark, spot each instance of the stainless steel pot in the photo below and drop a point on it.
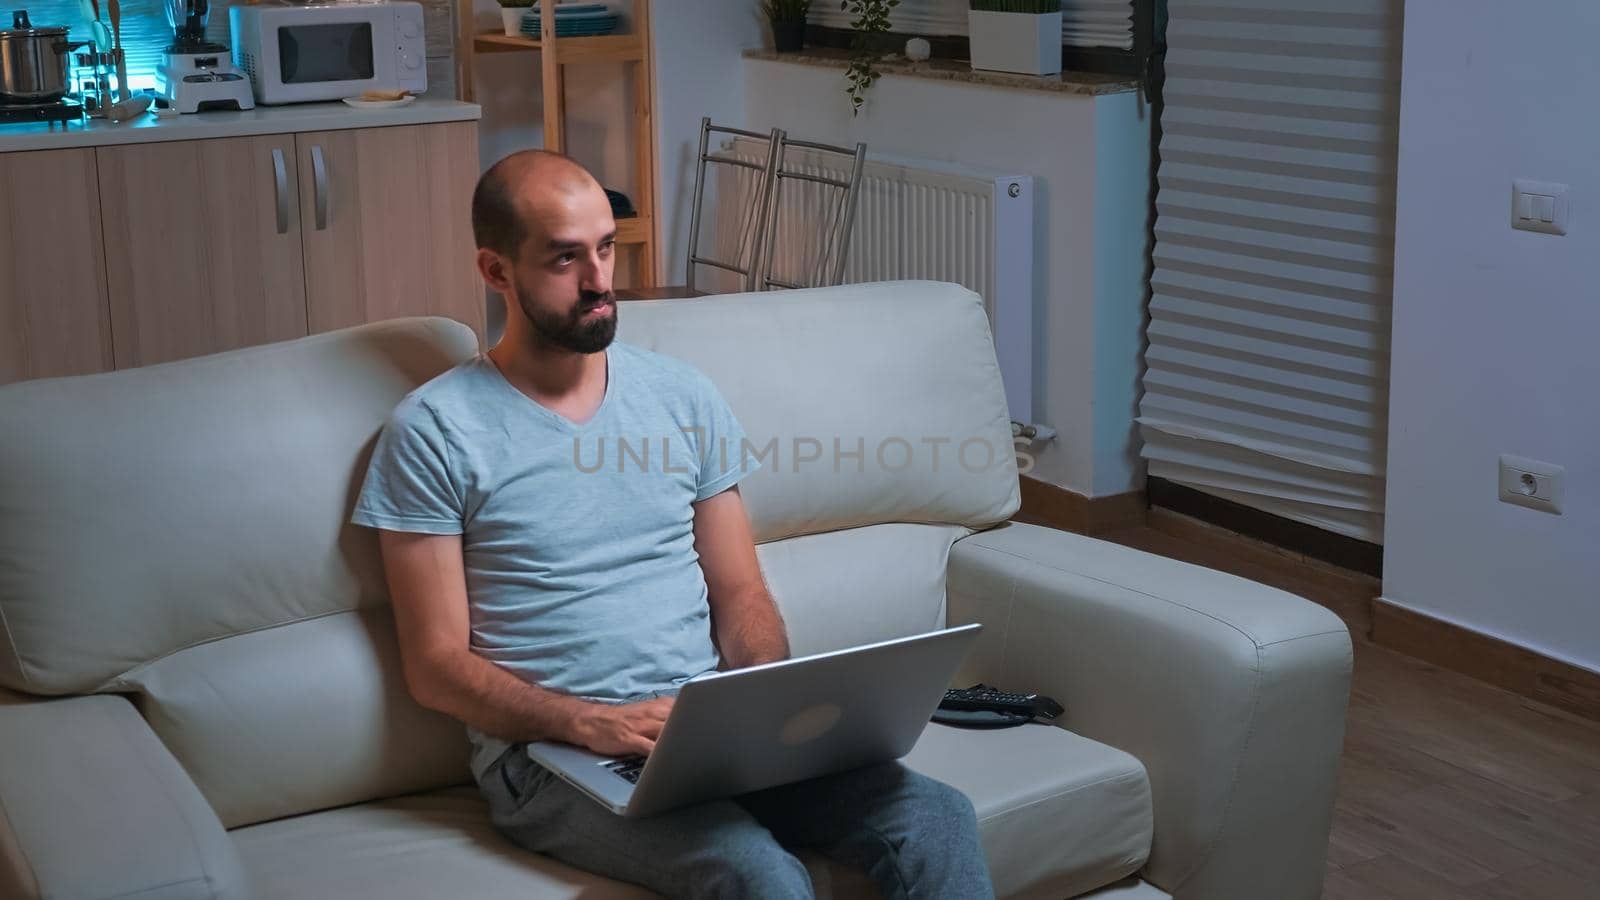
(33, 62)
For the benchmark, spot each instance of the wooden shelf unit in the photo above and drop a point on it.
(632, 50)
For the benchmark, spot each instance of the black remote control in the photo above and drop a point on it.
(985, 698)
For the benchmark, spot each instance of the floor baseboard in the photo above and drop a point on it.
(1337, 549)
(1487, 658)
(1044, 503)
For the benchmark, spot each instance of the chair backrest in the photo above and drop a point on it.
(748, 208)
(813, 219)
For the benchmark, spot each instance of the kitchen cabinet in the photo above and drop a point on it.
(158, 241)
(53, 315)
(386, 224)
(203, 250)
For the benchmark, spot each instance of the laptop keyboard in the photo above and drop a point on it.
(628, 768)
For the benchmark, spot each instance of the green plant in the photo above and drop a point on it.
(1028, 7)
(786, 10)
(870, 24)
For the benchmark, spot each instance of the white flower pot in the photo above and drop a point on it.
(1015, 42)
(511, 18)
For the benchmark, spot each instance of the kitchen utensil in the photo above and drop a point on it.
(129, 108)
(102, 36)
(36, 61)
(92, 80)
(114, 7)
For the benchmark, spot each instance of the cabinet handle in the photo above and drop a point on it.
(319, 180)
(280, 178)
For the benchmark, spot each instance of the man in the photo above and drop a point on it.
(539, 595)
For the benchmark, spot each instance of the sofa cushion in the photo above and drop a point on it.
(1060, 815)
(301, 717)
(860, 585)
(429, 846)
(157, 508)
(873, 402)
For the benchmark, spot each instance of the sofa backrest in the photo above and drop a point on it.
(880, 421)
(874, 403)
(179, 532)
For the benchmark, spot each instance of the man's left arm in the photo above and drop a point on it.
(748, 628)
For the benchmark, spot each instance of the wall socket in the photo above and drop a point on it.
(1531, 483)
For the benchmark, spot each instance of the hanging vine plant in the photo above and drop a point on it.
(870, 24)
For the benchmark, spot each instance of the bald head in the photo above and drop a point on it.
(516, 189)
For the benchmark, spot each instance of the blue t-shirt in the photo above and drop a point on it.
(578, 540)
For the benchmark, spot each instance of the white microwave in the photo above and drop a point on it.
(297, 53)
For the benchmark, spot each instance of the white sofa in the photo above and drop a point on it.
(204, 692)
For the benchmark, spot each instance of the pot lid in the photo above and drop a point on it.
(22, 27)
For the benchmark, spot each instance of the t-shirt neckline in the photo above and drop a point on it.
(550, 414)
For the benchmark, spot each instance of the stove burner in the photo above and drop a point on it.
(60, 111)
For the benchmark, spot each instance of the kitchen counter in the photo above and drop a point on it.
(299, 117)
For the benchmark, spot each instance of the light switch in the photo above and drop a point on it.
(1539, 206)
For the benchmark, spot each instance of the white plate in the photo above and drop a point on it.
(359, 103)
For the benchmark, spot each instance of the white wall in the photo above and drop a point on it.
(1495, 331)
(1090, 157)
(698, 44)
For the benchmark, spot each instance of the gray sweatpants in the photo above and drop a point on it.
(916, 837)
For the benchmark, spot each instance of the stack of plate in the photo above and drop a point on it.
(574, 20)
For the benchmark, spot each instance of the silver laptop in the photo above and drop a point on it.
(730, 733)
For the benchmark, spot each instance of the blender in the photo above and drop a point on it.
(197, 74)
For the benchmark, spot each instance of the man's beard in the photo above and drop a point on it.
(568, 330)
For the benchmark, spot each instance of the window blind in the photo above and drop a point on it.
(1267, 362)
(1084, 23)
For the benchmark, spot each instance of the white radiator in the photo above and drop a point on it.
(915, 219)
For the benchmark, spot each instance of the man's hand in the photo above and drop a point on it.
(627, 730)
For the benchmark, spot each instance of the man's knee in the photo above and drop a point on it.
(943, 801)
(944, 855)
(752, 865)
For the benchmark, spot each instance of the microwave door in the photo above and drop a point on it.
(338, 52)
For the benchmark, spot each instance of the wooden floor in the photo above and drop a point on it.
(1449, 788)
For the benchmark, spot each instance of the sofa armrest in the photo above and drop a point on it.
(93, 805)
(1231, 693)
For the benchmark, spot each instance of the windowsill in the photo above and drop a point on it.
(1089, 83)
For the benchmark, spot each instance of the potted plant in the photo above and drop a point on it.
(867, 46)
(788, 21)
(1015, 35)
(511, 12)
